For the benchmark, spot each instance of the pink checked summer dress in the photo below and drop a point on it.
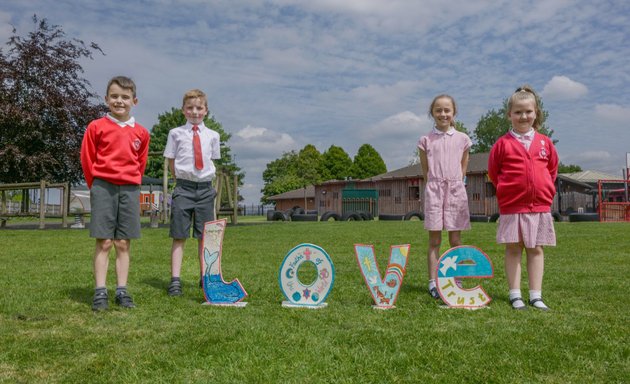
(445, 198)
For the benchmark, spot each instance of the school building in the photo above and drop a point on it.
(399, 193)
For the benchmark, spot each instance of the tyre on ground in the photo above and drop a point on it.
(386, 217)
(327, 216)
(303, 217)
(414, 215)
(279, 216)
(351, 216)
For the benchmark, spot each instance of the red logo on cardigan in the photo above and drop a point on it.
(136, 144)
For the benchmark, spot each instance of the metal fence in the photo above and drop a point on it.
(254, 209)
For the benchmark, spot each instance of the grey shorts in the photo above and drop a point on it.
(191, 203)
(115, 211)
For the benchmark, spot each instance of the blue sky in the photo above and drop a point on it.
(285, 73)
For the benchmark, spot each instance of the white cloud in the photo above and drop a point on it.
(613, 112)
(261, 144)
(340, 72)
(563, 88)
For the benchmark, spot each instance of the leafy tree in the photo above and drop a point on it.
(367, 162)
(175, 118)
(292, 171)
(495, 124)
(569, 168)
(309, 165)
(459, 126)
(45, 105)
(280, 176)
(336, 164)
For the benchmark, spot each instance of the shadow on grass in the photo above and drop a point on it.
(192, 291)
(161, 284)
(81, 295)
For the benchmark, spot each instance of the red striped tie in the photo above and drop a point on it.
(197, 148)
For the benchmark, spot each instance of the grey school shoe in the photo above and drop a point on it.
(175, 288)
(124, 300)
(99, 302)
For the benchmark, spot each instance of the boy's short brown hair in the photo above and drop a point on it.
(195, 94)
(124, 83)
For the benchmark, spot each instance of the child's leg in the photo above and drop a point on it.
(535, 267)
(535, 271)
(122, 261)
(200, 254)
(455, 238)
(177, 257)
(513, 255)
(435, 240)
(101, 261)
(123, 248)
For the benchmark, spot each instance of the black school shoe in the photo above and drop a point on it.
(532, 302)
(99, 302)
(124, 300)
(434, 293)
(514, 300)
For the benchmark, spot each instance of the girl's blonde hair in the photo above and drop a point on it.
(525, 92)
(444, 96)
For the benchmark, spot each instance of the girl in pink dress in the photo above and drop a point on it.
(444, 159)
(523, 166)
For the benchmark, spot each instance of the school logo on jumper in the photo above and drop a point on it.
(215, 290)
(464, 262)
(310, 294)
(136, 144)
(384, 290)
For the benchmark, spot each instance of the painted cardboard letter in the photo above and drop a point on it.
(215, 290)
(385, 290)
(309, 295)
(459, 263)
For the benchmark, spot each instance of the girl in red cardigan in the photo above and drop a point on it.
(523, 166)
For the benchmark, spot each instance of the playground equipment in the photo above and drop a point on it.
(226, 202)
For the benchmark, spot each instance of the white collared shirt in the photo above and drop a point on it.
(525, 138)
(131, 122)
(450, 132)
(179, 146)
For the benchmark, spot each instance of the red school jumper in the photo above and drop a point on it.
(524, 179)
(113, 153)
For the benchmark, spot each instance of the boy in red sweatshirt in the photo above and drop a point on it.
(113, 156)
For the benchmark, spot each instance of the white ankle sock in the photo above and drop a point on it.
(431, 284)
(514, 293)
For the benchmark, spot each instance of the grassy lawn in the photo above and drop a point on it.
(48, 332)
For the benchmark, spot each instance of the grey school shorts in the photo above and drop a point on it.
(115, 211)
(191, 203)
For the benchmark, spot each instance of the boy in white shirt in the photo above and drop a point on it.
(190, 150)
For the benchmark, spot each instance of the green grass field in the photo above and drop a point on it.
(48, 332)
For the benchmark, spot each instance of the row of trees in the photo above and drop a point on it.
(45, 105)
(308, 166)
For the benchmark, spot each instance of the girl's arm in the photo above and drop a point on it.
(424, 162)
(465, 158)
